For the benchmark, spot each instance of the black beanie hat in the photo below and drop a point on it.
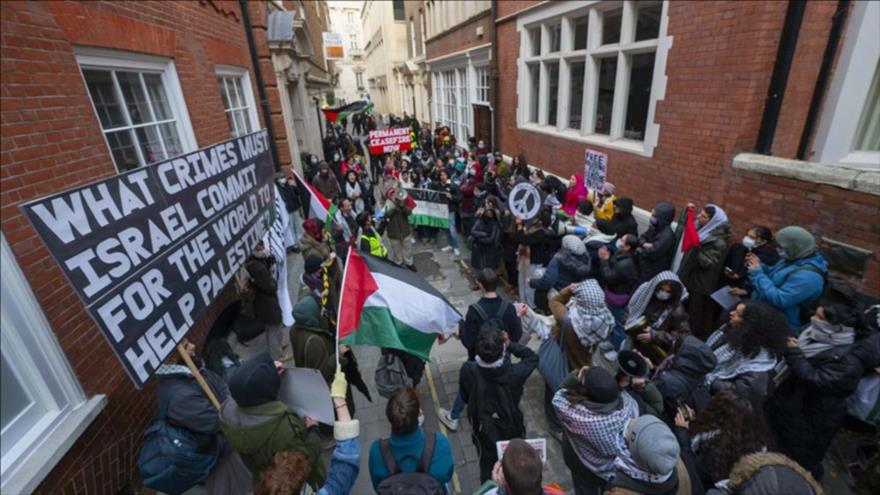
(600, 385)
(256, 382)
(313, 263)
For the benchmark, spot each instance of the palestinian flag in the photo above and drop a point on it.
(690, 238)
(384, 305)
(334, 114)
(318, 206)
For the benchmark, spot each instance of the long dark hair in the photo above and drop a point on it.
(763, 326)
(739, 429)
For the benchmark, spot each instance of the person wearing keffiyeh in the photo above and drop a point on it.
(659, 300)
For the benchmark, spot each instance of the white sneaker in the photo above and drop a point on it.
(445, 417)
(412, 240)
(446, 249)
(456, 252)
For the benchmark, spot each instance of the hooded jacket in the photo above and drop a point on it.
(686, 372)
(564, 269)
(265, 289)
(620, 272)
(486, 235)
(313, 344)
(659, 256)
(622, 222)
(575, 193)
(768, 473)
(700, 269)
(790, 283)
(258, 426)
(326, 185)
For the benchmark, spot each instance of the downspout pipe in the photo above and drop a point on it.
(495, 77)
(837, 22)
(791, 28)
(258, 75)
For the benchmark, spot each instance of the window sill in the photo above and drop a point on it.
(853, 179)
(626, 145)
(54, 444)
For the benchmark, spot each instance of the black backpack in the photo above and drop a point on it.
(493, 414)
(496, 321)
(418, 482)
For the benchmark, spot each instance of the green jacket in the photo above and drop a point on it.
(257, 433)
(314, 348)
(397, 216)
(700, 269)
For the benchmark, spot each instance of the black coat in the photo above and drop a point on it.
(486, 251)
(266, 308)
(623, 222)
(659, 256)
(290, 196)
(620, 273)
(693, 360)
(808, 408)
(542, 243)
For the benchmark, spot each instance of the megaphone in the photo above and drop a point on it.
(563, 229)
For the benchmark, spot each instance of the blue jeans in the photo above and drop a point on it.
(452, 233)
(618, 335)
(457, 407)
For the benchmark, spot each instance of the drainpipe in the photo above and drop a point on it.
(258, 75)
(834, 35)
(495, 78)
(778, 81)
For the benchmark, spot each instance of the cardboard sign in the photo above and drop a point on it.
(390, 140)
(305, 391)
(539, 444)
(595, 169)
(149, 250)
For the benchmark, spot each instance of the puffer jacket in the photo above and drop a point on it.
(768, 473)
(809, 407)
(564, 269)
(620, 273)
(789, 284)
(701, 267)
(685, 373)
(659, 256)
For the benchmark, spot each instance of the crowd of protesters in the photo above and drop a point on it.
(651, 385)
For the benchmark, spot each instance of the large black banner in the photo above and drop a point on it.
(148, 250)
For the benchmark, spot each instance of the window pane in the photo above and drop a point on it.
(535, 35)
(172, 140)
(639, 95)
(161, 108)
(553, 91)
(239, 91)
(648, 21)
(555, 35)
(399, 13)
(611, 26)
(577, 95)
(100, 86)
(243, 122)
(234, 95)
(122, 148)
(151, 148)
(135, 100)
(223, 96)
(14, 398)
(580, 32)
(607, 74)
(534, 79)
(868, 132)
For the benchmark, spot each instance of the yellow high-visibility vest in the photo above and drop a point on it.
(376, 246)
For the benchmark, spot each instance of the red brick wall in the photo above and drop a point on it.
(51, 140)
(718, 71)
(464, 36)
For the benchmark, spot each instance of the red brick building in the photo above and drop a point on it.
(90, 89)
(676, 93)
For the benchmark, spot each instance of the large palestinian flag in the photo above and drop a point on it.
(318, 205)
(384, 305)
(334, 114)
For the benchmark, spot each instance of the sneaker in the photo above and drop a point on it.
(456, 252)
(446, 249)
(445, 417)
(412, 240)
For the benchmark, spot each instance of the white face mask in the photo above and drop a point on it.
(662, 295)
(619, 244)
(335, 158)
(260, 254)
(748, 242)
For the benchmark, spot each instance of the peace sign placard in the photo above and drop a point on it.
(524, 201)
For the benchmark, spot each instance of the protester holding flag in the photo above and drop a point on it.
(701, 265)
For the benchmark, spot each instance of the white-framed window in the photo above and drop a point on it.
(482, 84)
(359, 79)
(464, 105)
(412, 37)
(350, 16)
(139, 103)
(849, 129)
(238, 100)
(44, 409)
(593, 71)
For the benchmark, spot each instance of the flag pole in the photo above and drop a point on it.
(341, 295)
(198, 375)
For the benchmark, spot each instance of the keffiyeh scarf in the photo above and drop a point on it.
(642, 296)
(625, 463)
(590, 318)
(718, 219)
(732, 363)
